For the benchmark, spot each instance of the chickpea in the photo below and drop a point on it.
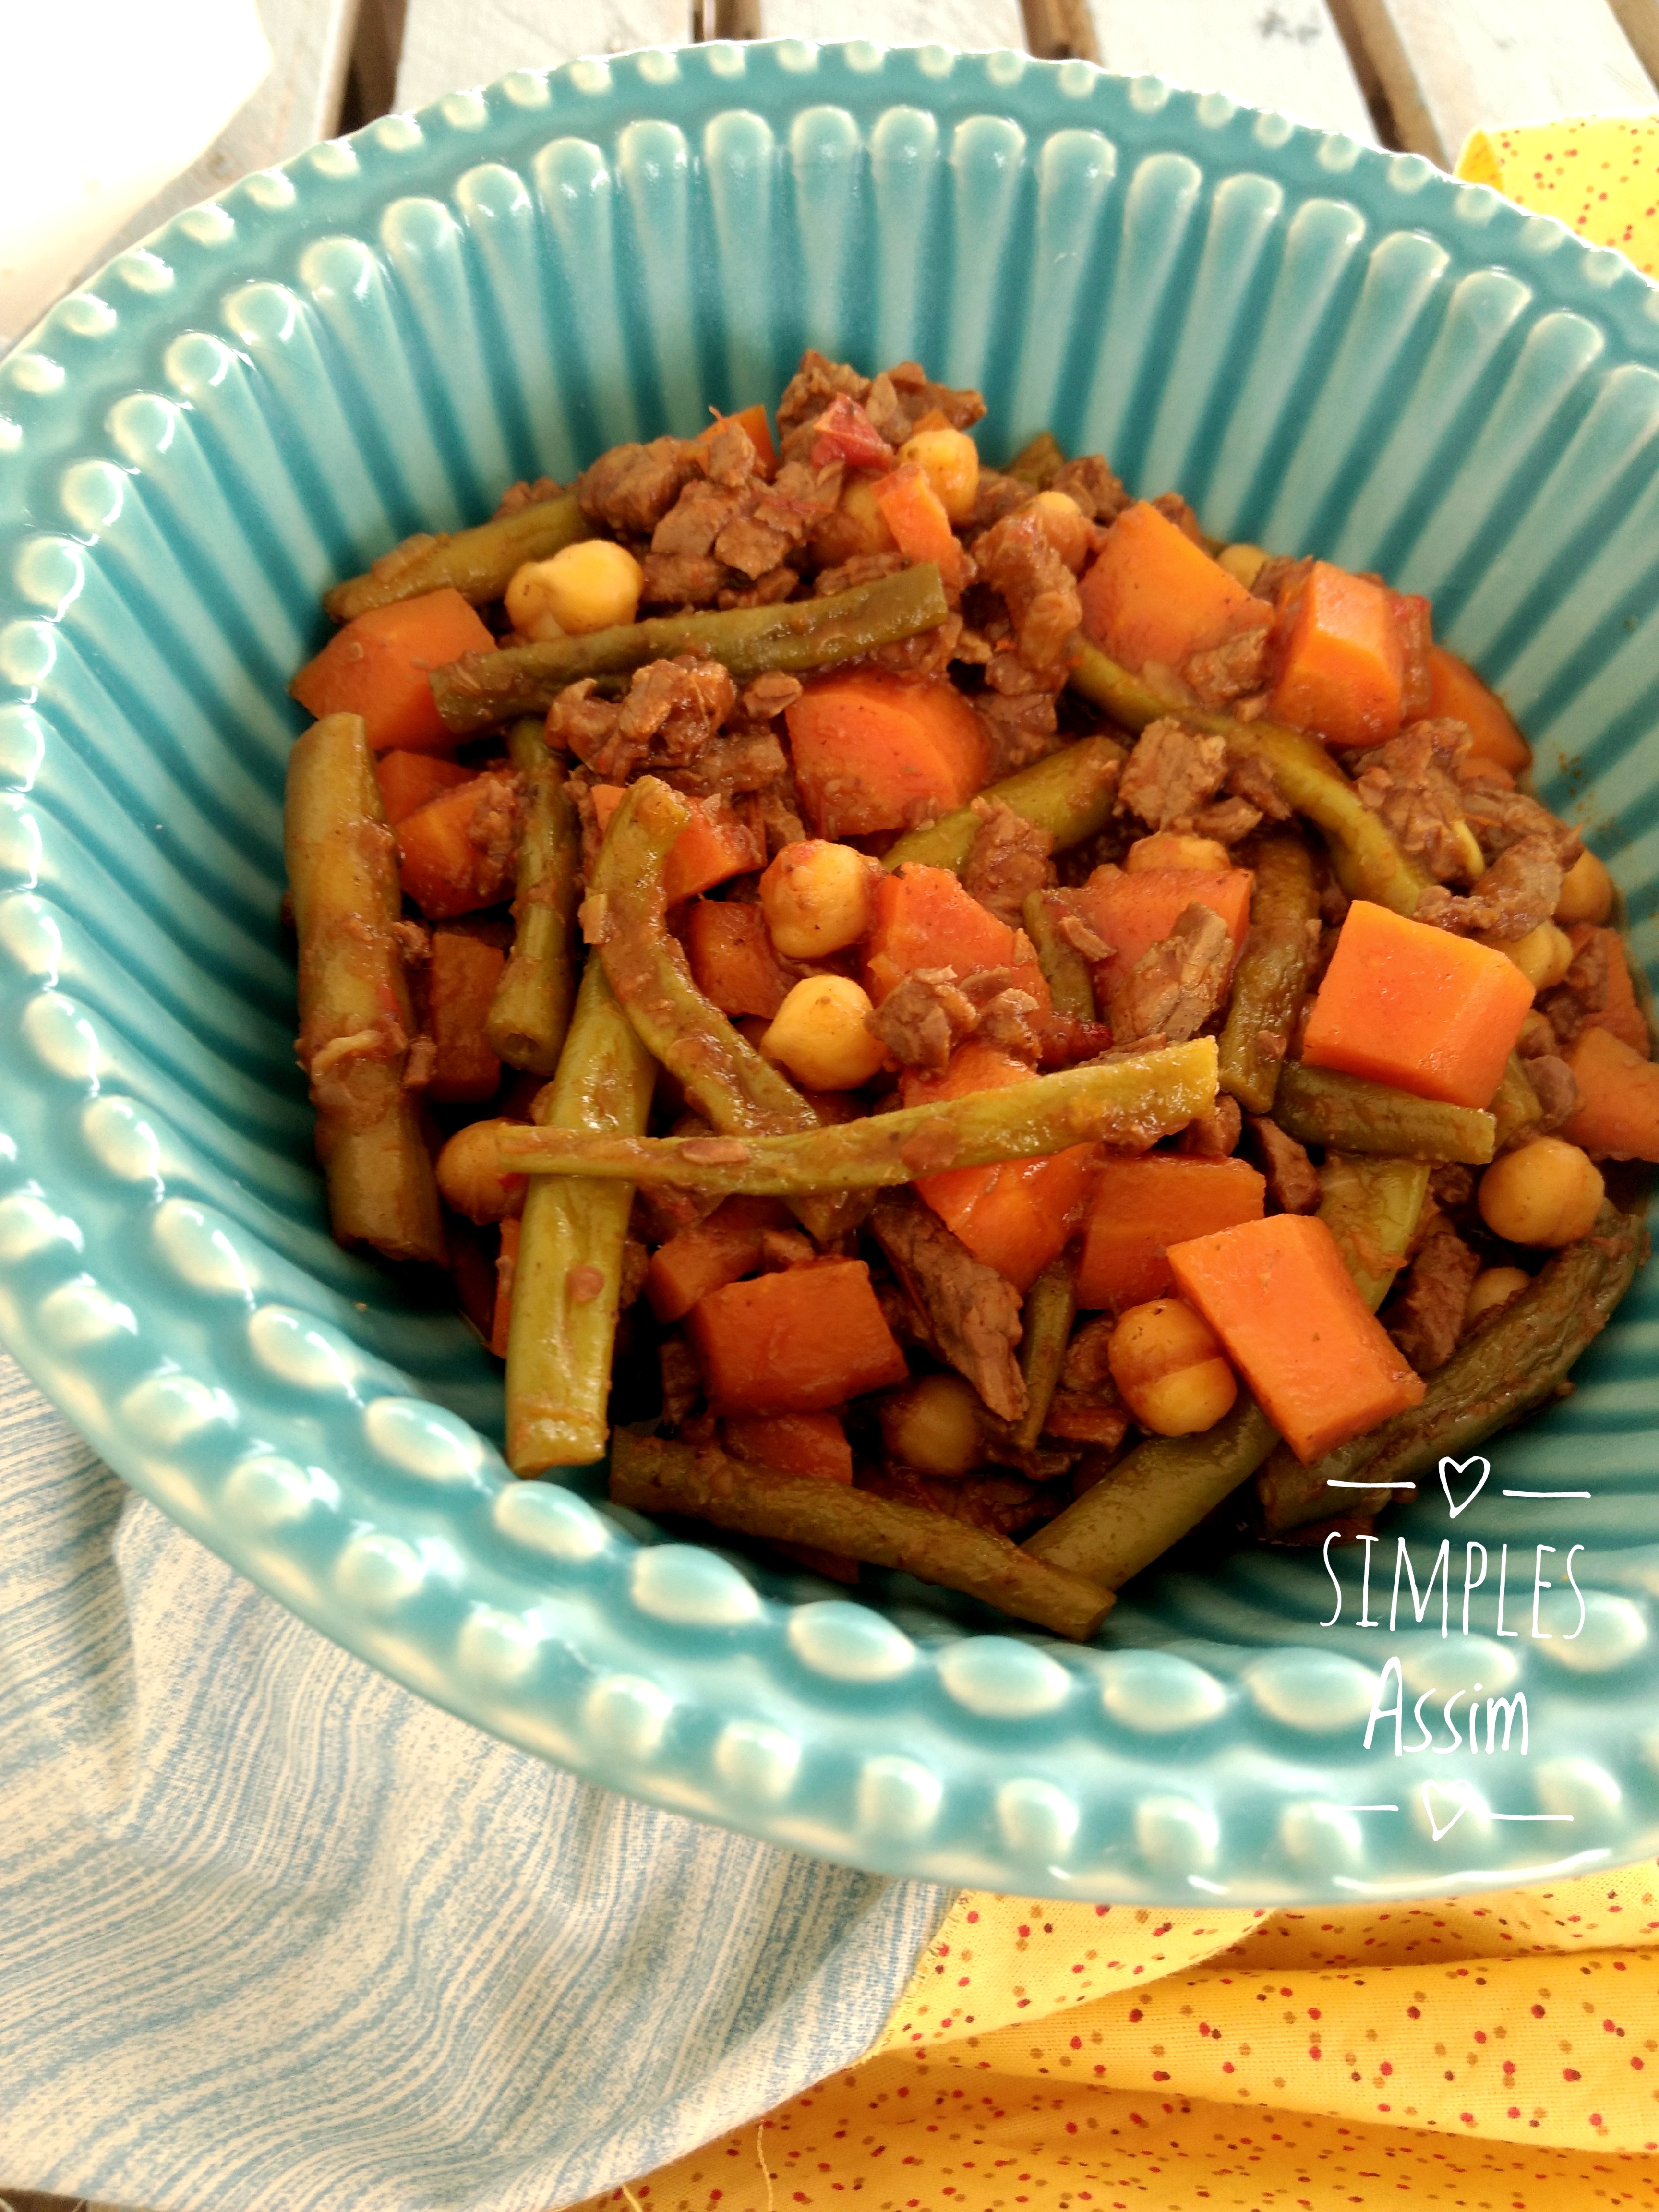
(1066, 526)
(471, 1181)
(933, 1425)
(1168, 1365)
(819, 1035)
(819, 897)
(949, 461)
(592, 585)
(1168, 849)
(1547, 1192)
(1543, 955)
(1492, 1288)
(1244, 563)
(1586, 891)
(865, 527)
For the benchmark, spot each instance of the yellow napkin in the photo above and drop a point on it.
(1496, 2055)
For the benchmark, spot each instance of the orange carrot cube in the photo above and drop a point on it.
(1617, 1117)
(460, 981)
(379, 665)
(796, 1342)
(915, 514)
(720, 1248)
(407, 781)
(1154, 597)
(1455, 691)
(1142, 1205)
(1133, 911)
(874, 751)
(445, 868)
(794, 1444)
(753, 423)
(733, 961)
(1342, 661)
(714, 845)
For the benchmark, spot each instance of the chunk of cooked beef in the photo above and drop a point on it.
(1253, 781)
(682, 580)
(924, 1018)
(972, 1309)
(1177, 984)
(1016, 710)
(995, 497)
(1172, 773)
(1426, 1319)
(698, 516)
(1007, 1504)
(1281, 577)
(629, 490)
(816, 382)
(1557, 1088)
(1005, 1021)
(767, 591)
(1017, 560)
(1451, 1184)
(682, 1378)
(1582, 991)
(1412, 781)
(518, 496)
(671, 712)
(1090, 482)
(1292, 1178)
(1008, 858)
(743, 761)
(1501, 818)
(1214, 1135)
(1086, 1407)
(862, 568)
(1517, 891)
(904, 395)
(1174, 509)
(1223, 673)
(1226, 820)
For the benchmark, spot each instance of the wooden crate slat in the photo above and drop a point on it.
(1287, 54)
(1639, 21)
(969, 23)
(451, 44)
(1450, 66)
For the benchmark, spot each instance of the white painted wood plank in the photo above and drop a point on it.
(451, 43)
(972, 24)
(1448, 67)
(1287, 54)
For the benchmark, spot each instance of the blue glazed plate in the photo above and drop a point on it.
(1326, 348)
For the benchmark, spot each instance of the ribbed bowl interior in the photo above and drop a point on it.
(1327, 350)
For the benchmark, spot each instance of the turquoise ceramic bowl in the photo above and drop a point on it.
(1326, 348)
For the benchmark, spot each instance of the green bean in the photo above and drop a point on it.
(530, 1010)
(653, 1475)
(1516, 1362)
(478, 564)
(1127, 1103)
(1516, 1106)
(355, 1020)
(1316, 1106)
(1273, 972)
(1046, 1331)
(1069, 795)
(482, 689)
(1149, 1499)
(568, 1283)
(1038, 461)
(1371, 1204)
(1064, 970)
(1130, 702)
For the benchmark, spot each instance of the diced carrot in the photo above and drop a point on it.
(753, 423)
(1142, 1203)
(1455, 691)
(1155, 597)
(507, 1266)
(1623, 1013)
(732, 962)
(1417, 1007)
(407, 781)
(1016, 1216)
(460, 981)
(378, 667)
(444, 867)
(925, 919)
(1132, 912)
(1413, 618)
(714, 845)
(794, 1444)
(1341, 659)
(794, 1342)
(1617, 1117)
(845, 433)
(915, 514)
(720, 1248)
(1276, 1292)
(871, 750)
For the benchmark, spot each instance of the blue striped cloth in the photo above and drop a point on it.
(274, 1933)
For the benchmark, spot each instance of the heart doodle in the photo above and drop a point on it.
(1451, 1466)
(1457, 1792)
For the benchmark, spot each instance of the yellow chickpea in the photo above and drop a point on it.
(1547, 1192)
(949, 461)
(933, 1425)
(470, 1175)
(1066, 526)
(864, 525)
(1493, 1287)
(1169, 1366)
(1543, 955)
(1586, 892)
(818, 897)
(593, 586)
(1244, 563)
(818, 1034)
(1169, 849)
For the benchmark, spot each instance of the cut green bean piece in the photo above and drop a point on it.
(567, 1287)
(478, 564)
(1068, 796)
(1496, 1375)
(1317, 1106)
(1132, 703)
(1516, 1106)
(530, 1010)
(1371, 1206)
(1064, 970)
(1045, 1332)
(1151, 1498)
(1273, 972)
(653, 1475)
(355, 1020)
(1038, 461)
(1128, 1103)
(482, 689)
